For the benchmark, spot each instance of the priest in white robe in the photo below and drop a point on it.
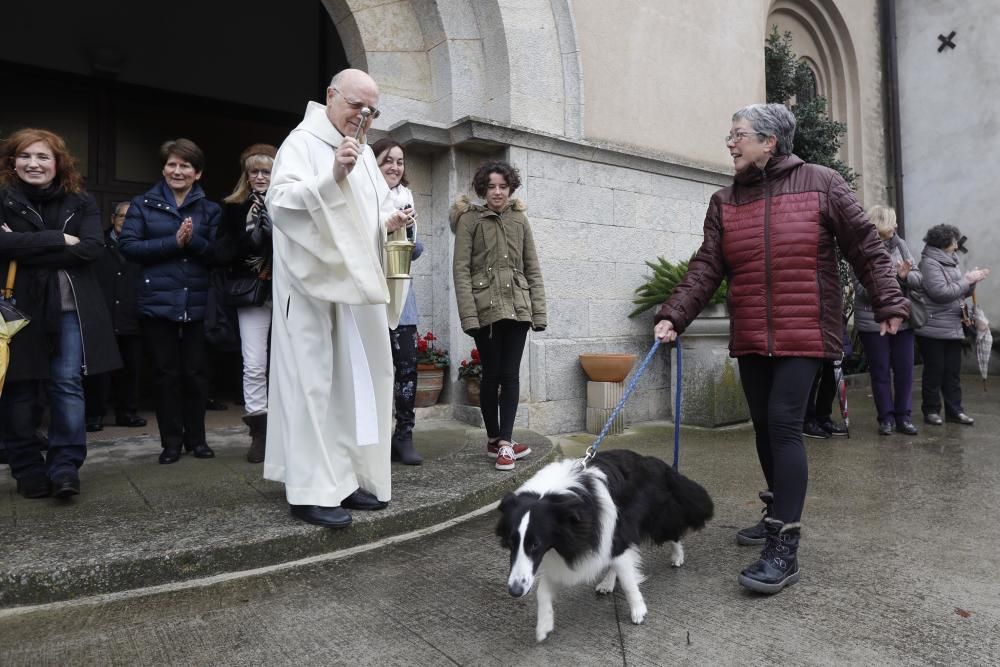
(330, 411)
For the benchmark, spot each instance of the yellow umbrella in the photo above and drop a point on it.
(11, 321)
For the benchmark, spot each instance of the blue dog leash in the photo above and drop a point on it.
(592, 450)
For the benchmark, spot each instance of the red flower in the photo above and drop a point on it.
(475, 355)
(430, 336)
(421, 345)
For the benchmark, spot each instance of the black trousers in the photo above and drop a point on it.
(824, 390)
(942, 375)
(180, 384)
(122, 384)
(500, 348)
(403, 341)
(776, 390)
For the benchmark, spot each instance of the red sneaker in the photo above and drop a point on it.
(505, 457)
(520, 451)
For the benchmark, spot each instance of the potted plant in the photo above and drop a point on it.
(666, 276)
(431, 364)
(471, 370)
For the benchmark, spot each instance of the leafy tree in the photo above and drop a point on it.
(817, 136)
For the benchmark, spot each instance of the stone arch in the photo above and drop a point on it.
(820, 35)
(434, 63)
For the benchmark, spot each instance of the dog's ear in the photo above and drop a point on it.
(507, 502)
(565, 507)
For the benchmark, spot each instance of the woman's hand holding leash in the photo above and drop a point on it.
(664, 331)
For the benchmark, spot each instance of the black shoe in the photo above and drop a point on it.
(778, 565)
(331, 517)
(95, 424)
(961, 418)
(811, 429)
(212, 404)
(402, 450)
(64, 486)
(363, 500)
(933, 418)
(832, 427)
(170, 455)
(129, 419)
(36, 486)
(756, 534)
(202, 451)
(906, 427)
(885, 427)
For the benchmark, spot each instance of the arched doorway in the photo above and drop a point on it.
(117, 81)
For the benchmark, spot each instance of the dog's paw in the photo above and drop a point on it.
(639, 612)
(676, 554)
(607, 584)
(542, 631)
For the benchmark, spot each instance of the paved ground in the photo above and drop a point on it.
(899, 563)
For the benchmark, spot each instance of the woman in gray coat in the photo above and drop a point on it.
(890, 357)
(940, 339)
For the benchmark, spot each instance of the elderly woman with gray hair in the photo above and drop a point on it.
(940, 338)
(773, 234)
(890, 358)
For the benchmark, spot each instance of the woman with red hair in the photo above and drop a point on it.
(51, 228)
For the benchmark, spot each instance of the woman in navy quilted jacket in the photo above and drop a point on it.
(774, 234)
(170, 231)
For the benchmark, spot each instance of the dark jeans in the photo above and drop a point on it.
(500, 348)
(403, 341)
(942, 375)
(890, 364)
(776, 390)
(824, 390)
(177, 353)
(67, 427)
(123, 384)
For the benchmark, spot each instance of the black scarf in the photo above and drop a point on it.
(47, 201)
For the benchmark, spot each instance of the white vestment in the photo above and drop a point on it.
(330, 400)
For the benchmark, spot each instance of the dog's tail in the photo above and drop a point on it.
(692, 497)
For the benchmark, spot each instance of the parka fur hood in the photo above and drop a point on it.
(463, 204)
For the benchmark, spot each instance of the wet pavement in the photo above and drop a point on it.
(899, 566)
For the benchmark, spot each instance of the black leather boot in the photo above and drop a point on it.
(403, 450)
(756, 534)
(258, 434)
(778, 565)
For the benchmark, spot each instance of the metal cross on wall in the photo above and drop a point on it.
(946, 42)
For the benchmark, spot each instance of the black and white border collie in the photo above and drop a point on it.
(568, 525)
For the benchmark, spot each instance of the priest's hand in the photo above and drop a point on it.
(348, 154)
(399, 219)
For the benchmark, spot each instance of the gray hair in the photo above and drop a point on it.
(771, 120)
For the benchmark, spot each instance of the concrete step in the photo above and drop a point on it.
(139, 524)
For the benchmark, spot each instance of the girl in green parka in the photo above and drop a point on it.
(498, 286)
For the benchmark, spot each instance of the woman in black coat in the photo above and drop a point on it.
(244, 247)
(51, 227)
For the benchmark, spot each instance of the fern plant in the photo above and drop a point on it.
(666, 276)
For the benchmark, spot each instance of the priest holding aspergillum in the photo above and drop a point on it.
(330, 410)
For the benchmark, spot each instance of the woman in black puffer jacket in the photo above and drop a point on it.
(940, 339)
(170, 230)
(51, 227)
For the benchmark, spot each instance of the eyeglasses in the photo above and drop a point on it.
(739, 136)
(358, 105)
(254, 173)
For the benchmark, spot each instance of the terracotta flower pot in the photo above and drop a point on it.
(472, 390)
(430, 382)
(607, 367)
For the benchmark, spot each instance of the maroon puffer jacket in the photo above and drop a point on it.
(772, 234)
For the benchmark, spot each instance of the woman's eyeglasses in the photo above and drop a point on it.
(737, 137)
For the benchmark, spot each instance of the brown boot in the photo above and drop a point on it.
(258, 432)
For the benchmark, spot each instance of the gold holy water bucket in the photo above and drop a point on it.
(399, 254)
